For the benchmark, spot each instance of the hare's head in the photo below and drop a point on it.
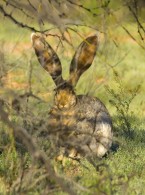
(64, 93)
(65, 97)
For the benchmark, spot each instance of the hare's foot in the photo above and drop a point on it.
(72, 156)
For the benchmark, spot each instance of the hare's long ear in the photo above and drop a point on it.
(47, 58)
(83, 58)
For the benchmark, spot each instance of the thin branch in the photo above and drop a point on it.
(76, 32)
(31, 5)
(19, 23)
(85, 25)
(137, 20)
(18, 8)
(132, 37)
(55, 35)
(16, 21)
(119, 61)
(37, 155)
(83, 7)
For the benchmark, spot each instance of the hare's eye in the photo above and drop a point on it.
(56, 92)
(55, 59)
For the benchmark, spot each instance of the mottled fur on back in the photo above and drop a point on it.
(79, 123)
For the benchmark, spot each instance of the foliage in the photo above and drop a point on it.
(121, 101)
(98, 16)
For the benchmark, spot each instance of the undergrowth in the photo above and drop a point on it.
(121, 100)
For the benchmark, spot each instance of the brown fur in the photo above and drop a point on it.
(83, 59)
(78, 123)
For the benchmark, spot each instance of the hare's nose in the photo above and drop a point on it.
(62, 105)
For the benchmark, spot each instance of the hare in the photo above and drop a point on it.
(81, 123)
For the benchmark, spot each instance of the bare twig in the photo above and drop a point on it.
(32, 5)
(36, 154)
(19, 8)
(137, 19)
(83, 7)
(16, 21)
(124, 28)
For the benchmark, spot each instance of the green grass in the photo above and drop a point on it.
(122, 171)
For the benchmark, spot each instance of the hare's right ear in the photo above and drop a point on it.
(83, 58)
(47, 58)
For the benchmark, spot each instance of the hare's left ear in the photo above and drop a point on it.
(47, 58)
(83, 58)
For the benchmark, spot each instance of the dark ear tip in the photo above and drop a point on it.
(92, 39)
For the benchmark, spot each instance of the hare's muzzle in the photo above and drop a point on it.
(65, 99)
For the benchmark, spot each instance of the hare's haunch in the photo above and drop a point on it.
(80, 122)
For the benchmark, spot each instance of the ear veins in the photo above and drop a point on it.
(47, 58)
(86, 53)
(83, 58)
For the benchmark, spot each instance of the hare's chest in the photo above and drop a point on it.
(63, 120)
(75, 120)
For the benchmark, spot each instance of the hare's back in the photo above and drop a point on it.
(91, 105)
(91, 112)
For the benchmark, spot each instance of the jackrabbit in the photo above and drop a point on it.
(81, 123)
